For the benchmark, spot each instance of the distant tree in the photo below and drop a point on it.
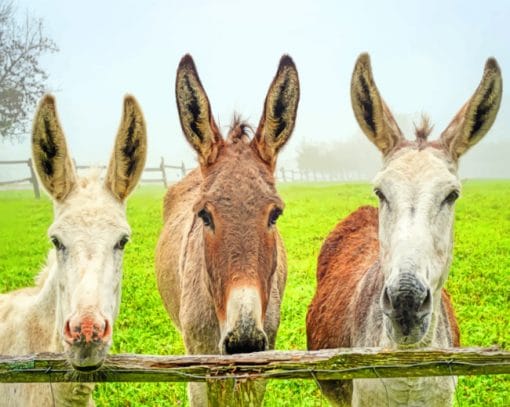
(350, 159)
(22, 80)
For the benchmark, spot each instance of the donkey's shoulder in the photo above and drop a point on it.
(353, 239)
(348, 253)
(181, 193)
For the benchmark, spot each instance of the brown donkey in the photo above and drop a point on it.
(220, 262)
(380, 274)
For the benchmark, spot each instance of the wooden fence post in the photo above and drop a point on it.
(33, 179)
(163, 173)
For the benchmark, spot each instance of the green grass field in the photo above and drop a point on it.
(479, 281)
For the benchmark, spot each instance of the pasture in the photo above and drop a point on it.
(479, 281)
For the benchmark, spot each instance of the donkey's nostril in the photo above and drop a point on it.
(68, 335)
(426, 305)
(107, 331)
(386, 302)
(86, 331)
(233, 344)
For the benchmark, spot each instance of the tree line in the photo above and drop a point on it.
(357, 159)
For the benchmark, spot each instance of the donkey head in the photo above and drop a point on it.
(239, 205)
(417, 189)
(89, 230)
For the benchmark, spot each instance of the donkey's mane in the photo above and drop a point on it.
(423, 130)
(239, 130)
(93, 176)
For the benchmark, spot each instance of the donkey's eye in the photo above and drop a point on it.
(57, 243)
(273, 216)
(121, 243)
(206, 217)
(451, 198)
(380, 195)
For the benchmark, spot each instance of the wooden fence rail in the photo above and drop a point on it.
(32, 179)
(161, 168)
(318, 365)
(282, 174)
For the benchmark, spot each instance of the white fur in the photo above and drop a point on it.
(84, 279)
(414, 225)
(243, 302)
(418, 179)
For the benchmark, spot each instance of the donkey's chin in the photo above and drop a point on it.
(407, 333)
(87, 358)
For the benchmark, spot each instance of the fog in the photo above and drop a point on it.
(426, 58)
(357, 159)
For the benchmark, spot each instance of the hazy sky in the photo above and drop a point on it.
(426, 56)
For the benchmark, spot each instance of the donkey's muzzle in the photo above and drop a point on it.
(88, 341)
(244, 338)
(407, 303)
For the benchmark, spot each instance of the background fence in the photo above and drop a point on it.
(282, 174)
(32, 179)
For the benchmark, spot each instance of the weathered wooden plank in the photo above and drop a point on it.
(15, 181)
(14, 162)
(324, 365)
(86, 167)
(155, 180)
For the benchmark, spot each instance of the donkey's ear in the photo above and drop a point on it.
(372, 114)
(279, 115)
(195, 113)
(476, 117)
(49, 151)
(129, 153)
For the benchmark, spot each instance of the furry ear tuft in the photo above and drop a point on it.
(195, 113)
(372, 114)
(280, 109)
(476, 117)
(49, 151)
(129, 153)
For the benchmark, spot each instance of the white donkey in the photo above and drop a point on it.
(381, 273)
(73, 307)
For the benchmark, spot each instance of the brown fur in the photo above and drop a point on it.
(217, 234)
(349, 280)
(348, 254)
(232, 249)
(349, 251)
(347, 310)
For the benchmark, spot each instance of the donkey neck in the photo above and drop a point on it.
(44, 310)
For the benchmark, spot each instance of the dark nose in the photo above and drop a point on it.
(235, 342)
(244, 337)
(407, 302)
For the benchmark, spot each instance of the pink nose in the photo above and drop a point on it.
(87, 330)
